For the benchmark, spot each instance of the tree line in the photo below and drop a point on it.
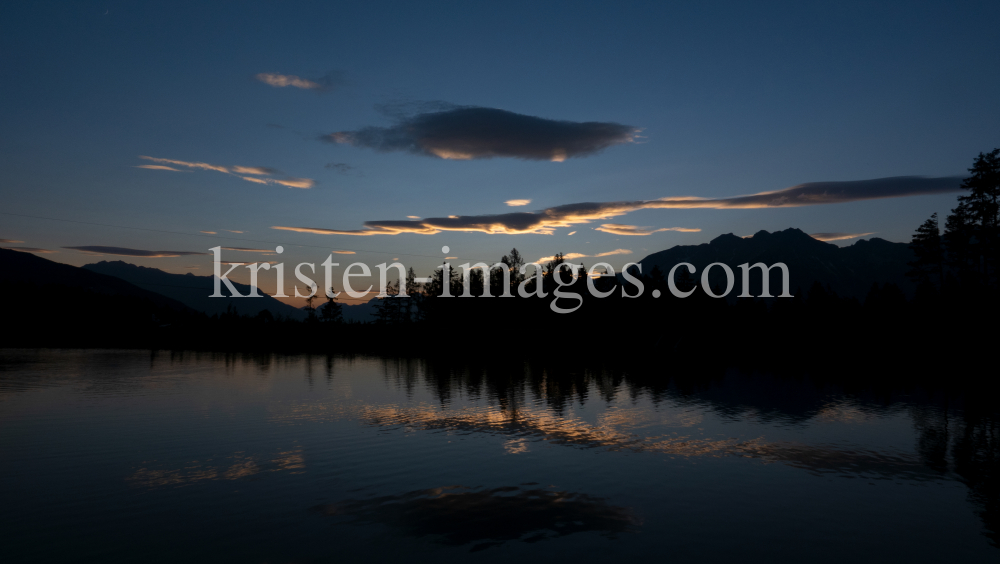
(961, 263)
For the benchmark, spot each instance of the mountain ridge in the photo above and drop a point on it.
(193, 290)
(850, 271)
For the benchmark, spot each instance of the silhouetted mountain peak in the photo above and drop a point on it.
(850, 271)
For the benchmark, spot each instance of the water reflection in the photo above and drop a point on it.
(235, 467)
(273, 435)
(542, 425)
(458, 515)
(969, 446)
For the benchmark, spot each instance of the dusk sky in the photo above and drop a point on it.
(365, 127)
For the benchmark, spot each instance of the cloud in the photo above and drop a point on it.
(160, 167)
(517, 203)
(571, 233)
(546, 221)
(254, 170)
(838, 236)
(290, 182)
(9, 241)
(210, 232)
(29, 249)
(469, 132)
(236, 170)
(574, 256)
(198, 165)
(125, 252)
(347, 253)
(245, 249)
(619, 229)
(283, 80)
(328, 81)
(297, 182)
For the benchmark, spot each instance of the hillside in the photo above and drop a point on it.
(194, 291)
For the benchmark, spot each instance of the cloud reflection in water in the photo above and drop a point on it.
(457, 515)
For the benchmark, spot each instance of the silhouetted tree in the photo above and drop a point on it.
(332, 312)
(514, 262)
(971, 229)
(927, 270)
(388, 308)
(310, 309)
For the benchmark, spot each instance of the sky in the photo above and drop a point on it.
(153, 132)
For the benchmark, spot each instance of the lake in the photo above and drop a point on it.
(139, 456)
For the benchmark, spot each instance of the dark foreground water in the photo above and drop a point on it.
(125, 456)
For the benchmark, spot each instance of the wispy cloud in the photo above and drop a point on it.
(347, 253)
(160, 167)
(630, 230)
(30, 249)
(328, 81)
(838, 236)
(469, 132)
(210, 232)
(188, 164)
(9, 241)
(548, 220)
(254, 170)
(574, 256)
(126, 252)
(245, 249)
(290, 182)
(283, 80)
(236, 170)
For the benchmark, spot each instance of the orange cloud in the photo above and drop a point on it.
(236, 170)
(547, 221)
(573, 256)
(619, 229)
(253, 170)
(516, 203)
(198, 165)
(290, 182)
(838, 236)
(159, 167)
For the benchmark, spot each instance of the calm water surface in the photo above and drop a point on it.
(126, 456)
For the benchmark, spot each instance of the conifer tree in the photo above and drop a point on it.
(971, 231)
(927, 270)
(331, 312)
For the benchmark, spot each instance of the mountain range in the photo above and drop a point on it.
(849, 271)
(194, 291)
